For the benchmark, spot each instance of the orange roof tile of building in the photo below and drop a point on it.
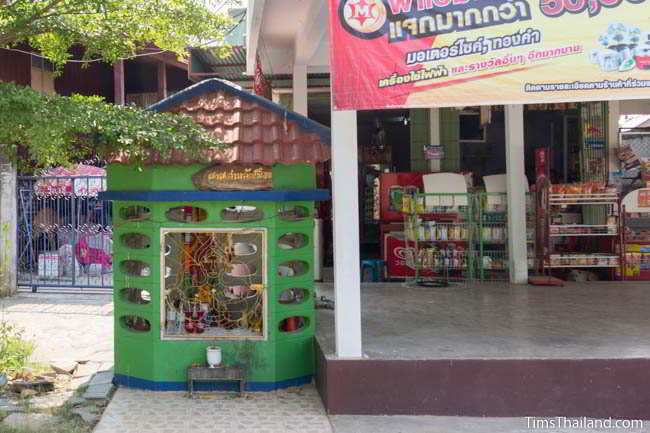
(258, 130)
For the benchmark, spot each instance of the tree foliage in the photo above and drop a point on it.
(41, 130)
(112, 29)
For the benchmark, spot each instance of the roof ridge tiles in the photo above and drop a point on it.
(206, 87)
(256, 129)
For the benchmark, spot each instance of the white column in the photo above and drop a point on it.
(434, 136)
(8, 223)
(515, 176)
(300, 89)
(345, 206)
(614, 113)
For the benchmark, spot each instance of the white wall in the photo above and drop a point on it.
(637, 106)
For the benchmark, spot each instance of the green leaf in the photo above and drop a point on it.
(39, 130)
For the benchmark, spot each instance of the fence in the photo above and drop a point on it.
(64, 234)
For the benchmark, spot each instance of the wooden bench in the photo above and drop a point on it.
(222, 373)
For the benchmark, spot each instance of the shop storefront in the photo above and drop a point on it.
(570, 145)
(478, 143)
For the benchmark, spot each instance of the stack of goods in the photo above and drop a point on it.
(433, 231)
(637, 228)
(395, 197)
(451, 257)
(634, 165)
(497, 234)
(581, 260)
(494, 262)
(376, 205)
(410, 202)
(639, 258)
(577, 190)
(629, 158)
(645, 171)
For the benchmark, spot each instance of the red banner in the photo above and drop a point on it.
(441, 53)
(358, 61)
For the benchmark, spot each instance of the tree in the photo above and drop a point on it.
(41, 130)
(112, 29)
(44, 130)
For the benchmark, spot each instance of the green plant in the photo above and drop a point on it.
(14, 350)
(41, 130)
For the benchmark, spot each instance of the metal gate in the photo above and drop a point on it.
(65, 234)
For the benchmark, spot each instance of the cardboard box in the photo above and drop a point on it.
(48, 265)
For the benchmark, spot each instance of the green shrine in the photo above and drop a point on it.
(219, 251)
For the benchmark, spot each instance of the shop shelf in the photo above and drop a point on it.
(638, 223)
(576, 199)
(577, 259)
(582, 230)
(476, 233)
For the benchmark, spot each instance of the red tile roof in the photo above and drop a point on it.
(259, 130)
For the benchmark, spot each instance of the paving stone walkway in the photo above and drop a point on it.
(296, 409)
(64, 326)
(73, 335)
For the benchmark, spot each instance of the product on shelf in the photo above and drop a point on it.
(577, 260)
(451, 257)
(580, 190)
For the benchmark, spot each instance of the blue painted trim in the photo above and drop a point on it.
(162, 196)
(134, 382)
(215, 84)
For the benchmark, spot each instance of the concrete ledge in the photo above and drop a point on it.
(598, 388)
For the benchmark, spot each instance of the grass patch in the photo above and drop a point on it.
(68, 422)
(63, 427)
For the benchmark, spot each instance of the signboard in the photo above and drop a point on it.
(428, 53)
(399, 259)
(434, 152)
(234, 177)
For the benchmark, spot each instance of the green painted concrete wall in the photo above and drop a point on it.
(144, 355)
(419, 127)
(449, 124)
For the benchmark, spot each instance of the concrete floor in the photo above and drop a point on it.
(451, 424)
(499, 321)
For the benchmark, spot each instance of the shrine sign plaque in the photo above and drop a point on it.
(234, 177)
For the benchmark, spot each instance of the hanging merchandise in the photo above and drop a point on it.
(594, 152)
